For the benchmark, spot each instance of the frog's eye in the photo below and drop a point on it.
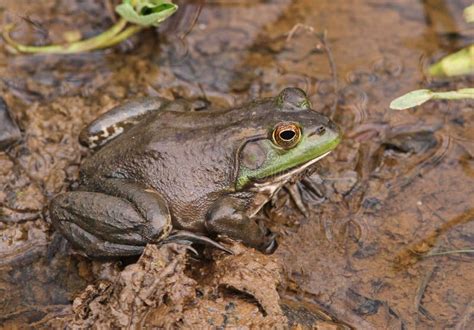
(286, 135)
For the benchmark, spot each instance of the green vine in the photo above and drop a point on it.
(136, 15)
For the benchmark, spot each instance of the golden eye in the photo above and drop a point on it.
(286, 135)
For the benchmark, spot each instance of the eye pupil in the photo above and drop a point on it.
(287, 135)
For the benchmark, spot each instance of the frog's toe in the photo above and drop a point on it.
(271, 245)
(186, 237)
(295, 194)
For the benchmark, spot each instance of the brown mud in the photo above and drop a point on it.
(398, 190)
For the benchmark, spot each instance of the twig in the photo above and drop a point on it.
(444, 253)
(466, 318)
(332, 64)
(36, 25)
(297, 27)
(324, 46)
(421, 292)
(109, 7)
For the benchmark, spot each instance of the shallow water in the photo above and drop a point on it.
(399, 187)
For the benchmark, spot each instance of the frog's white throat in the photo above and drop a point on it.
(265, 190)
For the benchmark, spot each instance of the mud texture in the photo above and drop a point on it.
(238, 290)
(397, 190)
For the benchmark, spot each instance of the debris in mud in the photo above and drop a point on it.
(9, 131)
(238, 290)
(415, 142)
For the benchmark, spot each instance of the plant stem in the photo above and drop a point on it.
(128, 32)
(449, 252)
(461, 94)
(75, 47)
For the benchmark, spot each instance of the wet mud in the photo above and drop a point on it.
(381, 209)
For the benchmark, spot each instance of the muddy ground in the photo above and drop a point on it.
(397, 190)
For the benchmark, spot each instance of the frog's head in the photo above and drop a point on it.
(292, 138)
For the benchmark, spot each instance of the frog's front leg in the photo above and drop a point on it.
(119, 223)
(227, 217)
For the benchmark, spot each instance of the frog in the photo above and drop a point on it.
(162, 171)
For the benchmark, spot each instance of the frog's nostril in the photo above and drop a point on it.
(320, 130)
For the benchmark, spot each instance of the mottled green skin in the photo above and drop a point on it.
(205, 172)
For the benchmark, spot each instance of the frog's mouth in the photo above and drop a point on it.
(268, 186)
(273, 182)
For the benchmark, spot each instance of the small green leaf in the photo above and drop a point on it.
(456, 64)
(460, 62)
(146, 12)
(469, 14)
(411, 99)
(420, 96)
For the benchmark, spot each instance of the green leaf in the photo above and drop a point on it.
(146, 12)
(460, 62)
(456, 64)
(469, 14)
(420, 96)
(411, 99)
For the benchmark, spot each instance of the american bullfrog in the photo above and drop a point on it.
(163, 166)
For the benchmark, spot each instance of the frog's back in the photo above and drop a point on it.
(185, 157)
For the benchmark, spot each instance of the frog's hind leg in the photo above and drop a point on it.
(105, 226)
(94, 246)
(120, 118)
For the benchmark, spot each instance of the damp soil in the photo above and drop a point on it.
(397, 191)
